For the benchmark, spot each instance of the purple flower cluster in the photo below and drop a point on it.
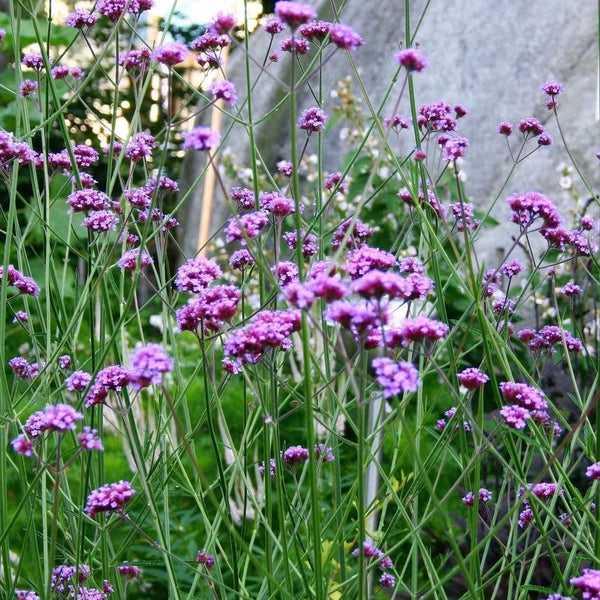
(365, 259)
(353, 233)
(197, 274)
(294, 13)
(588, 583)
(109, 498)
(211, 307)
(527, 207)
(23, 369)
(484, 497)
(247, 225)
(417, 329)
(547, 338)
(148, 364)
(23, 283)
(130, 259)
(224, 90)
(412, 59)
(312, 120)
(201, 139)
(395, 377)
(383, 562)
(266, 330)
(472, 378)
(170, 54)
(55, 417)
(140, 146)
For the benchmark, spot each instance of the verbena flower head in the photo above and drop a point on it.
(529, 206)
(588, 583)
(472, 378)
(78, 381)
(312, 120)
(515, 416)
(395, 378)
(295, 45)
(135, 62)
(197, 274)
(128, 572)
(365, 259)
(266, 330)
(88, 199)
(552, 88)
(484, 496)
(241, 259)
(224, 90)
(273, 26)
(58, 418)
(593, 471)
(277, 204)
(201, 139)
(130, 258)
(34, 60)
(81, 18)
(22, 445)
(223, 23)
(89, 440)
(295, 455)
(113, 9)
(140, 146)
(109, 498)
(454, 148)
(387, 580)
(344, 37)
(294, 13)
(531, 127)
(315, 29)
(211, 307)
(28, 88)
(354, 232)
(23, 283)
(170, 54)
(101, 221)
(412, 59)
(250, 224)
(524, 395)
(417, 329)
(148, 364)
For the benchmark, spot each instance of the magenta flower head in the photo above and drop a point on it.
(394, 377)
(412, 59)
(81, 18)
(312, 120)
(593, 471)
(201, 138)
(588, 583)
(294, 13)
(472, 378)
(34, 60)
(2, 34)
(109, 498)
(224, 90)
(345, 37)
(170, 54)
(197, 274)
(505, 128)
(128, 572)
(148, 363)
(552, 88)
(140, 146)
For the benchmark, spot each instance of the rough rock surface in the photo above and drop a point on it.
(490, 56)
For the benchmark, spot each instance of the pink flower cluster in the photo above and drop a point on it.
(109, 498)
(23, 283)
(383, 562)
(395, 378)
(267, 330)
